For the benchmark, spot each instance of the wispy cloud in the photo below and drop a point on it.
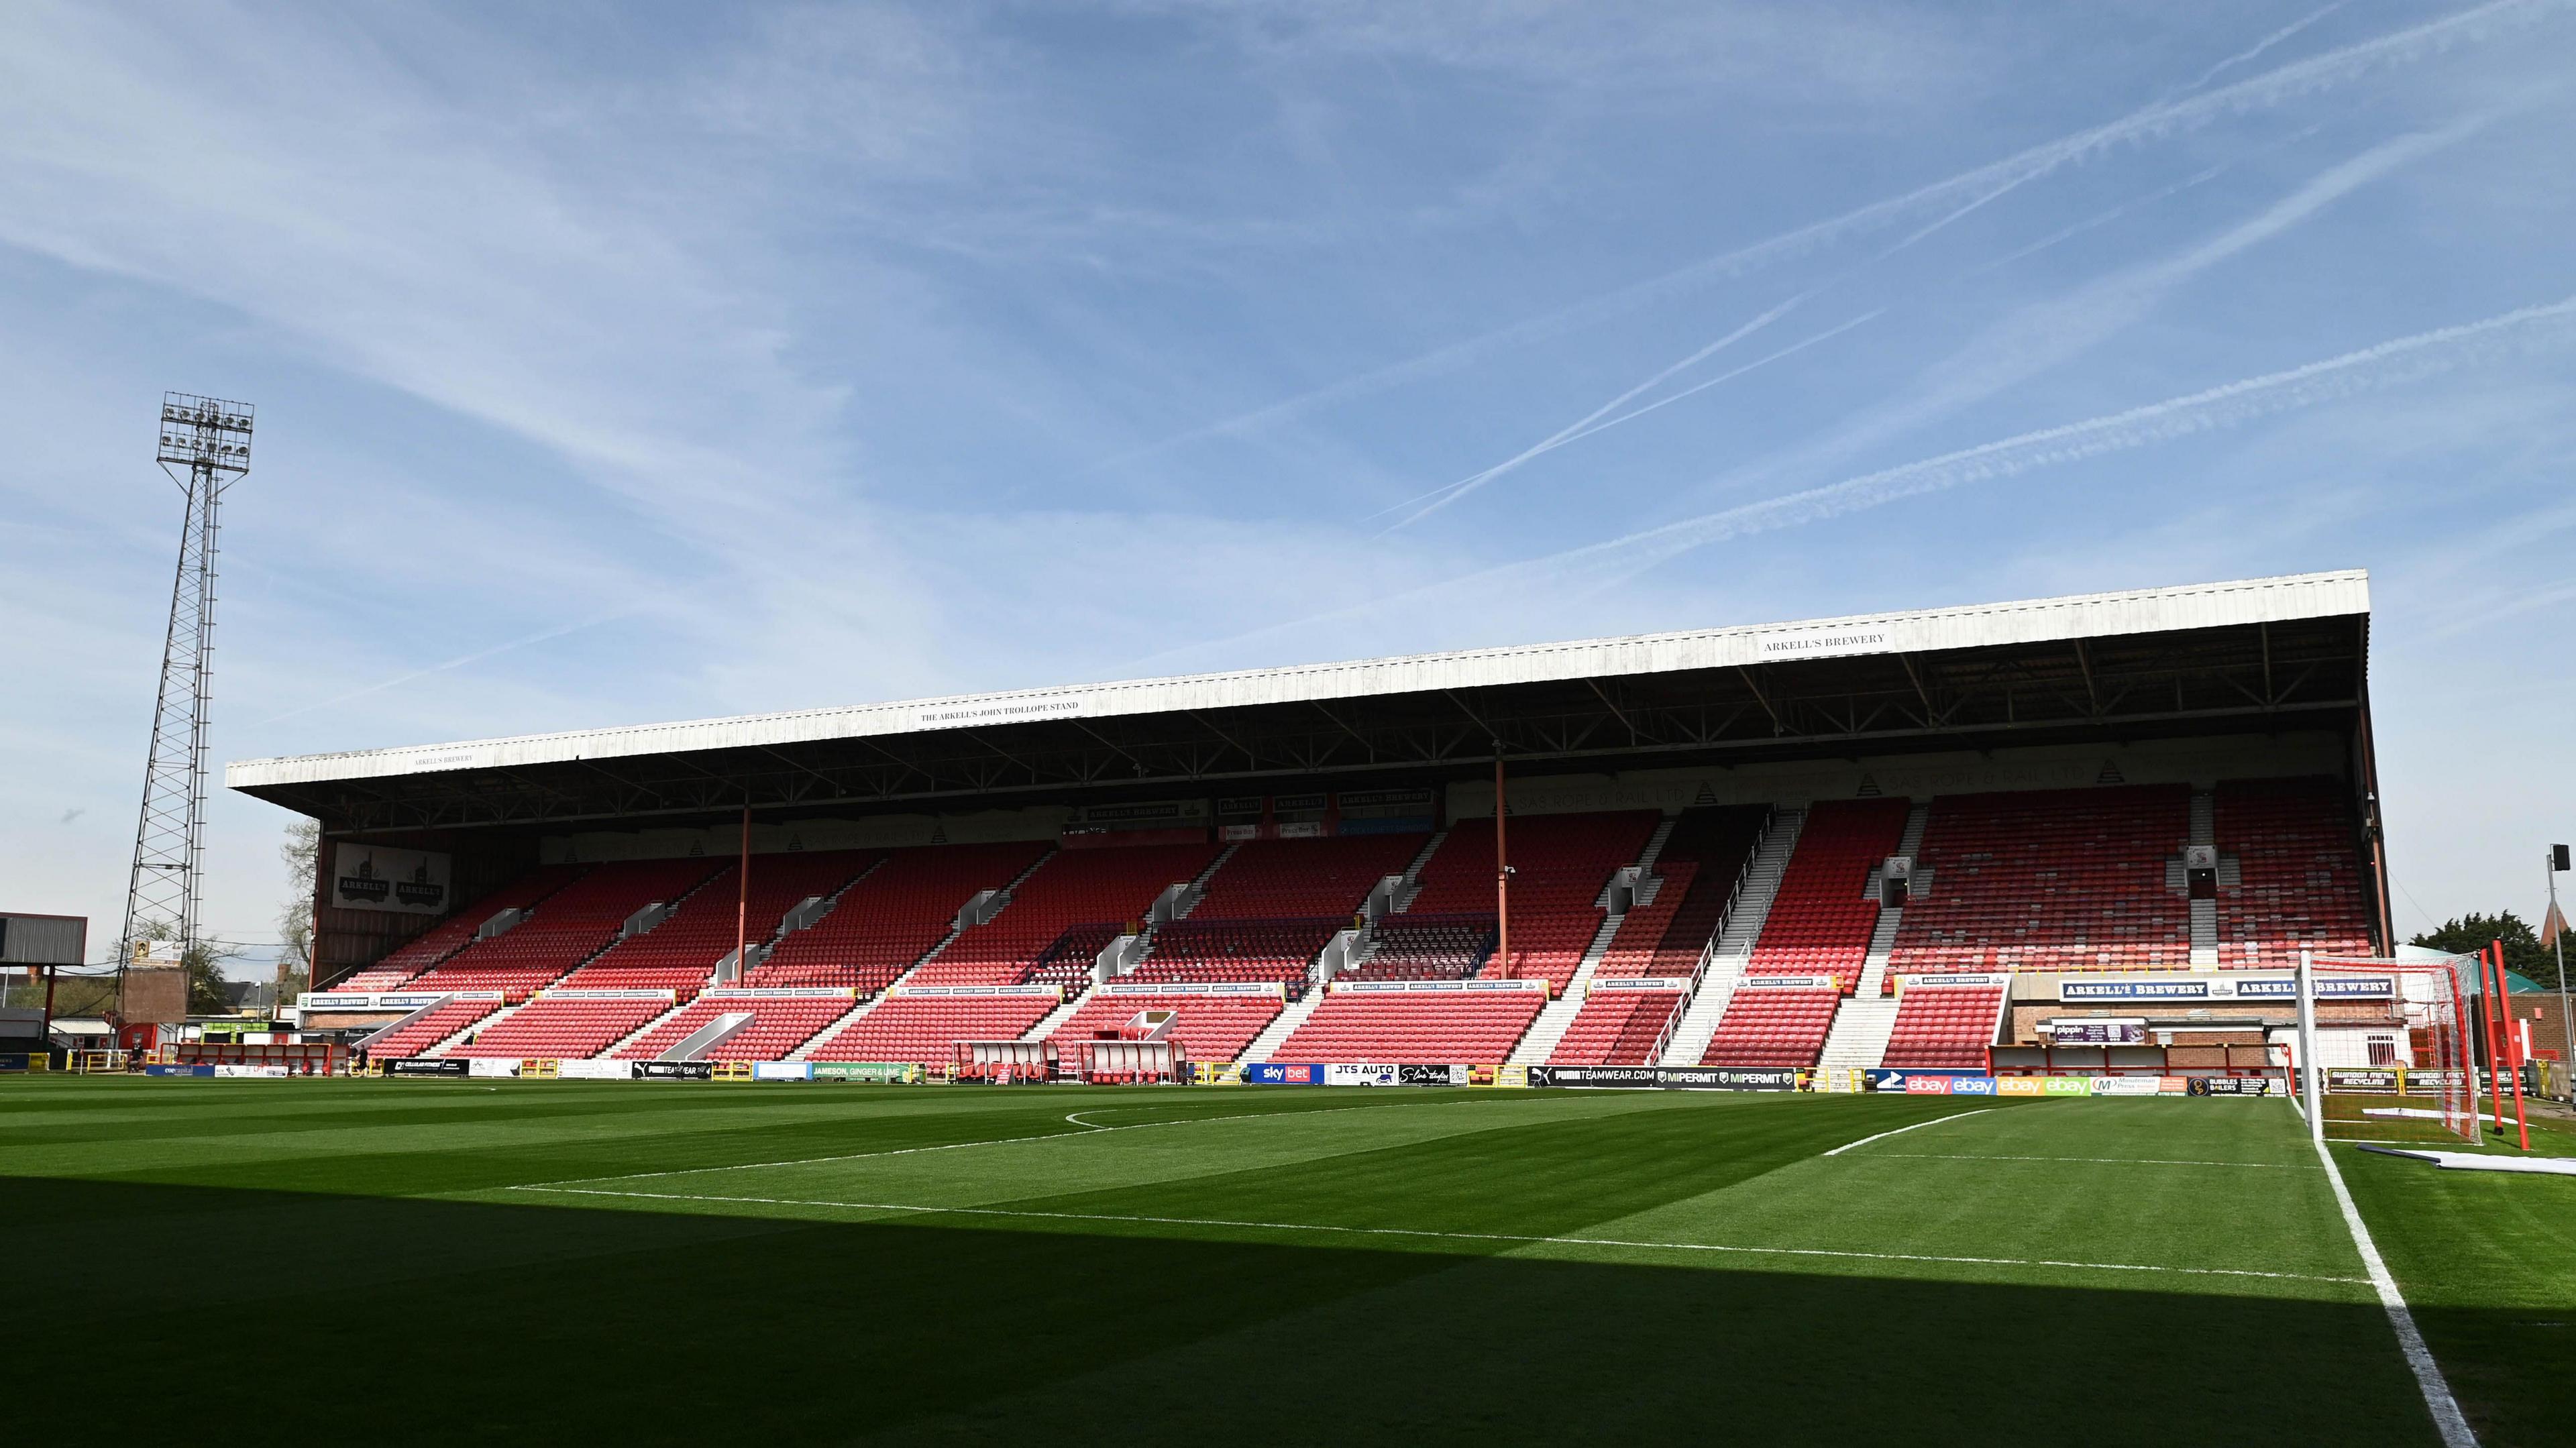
(458, 662)
(2383, 365)
(2161, 120)
(1442, 497)
(2386, 364)
(2046, 334)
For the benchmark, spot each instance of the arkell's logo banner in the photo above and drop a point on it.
(375, 877)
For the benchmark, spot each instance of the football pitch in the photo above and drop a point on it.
(465, 1261)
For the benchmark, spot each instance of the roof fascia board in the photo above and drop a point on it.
(2137, 611)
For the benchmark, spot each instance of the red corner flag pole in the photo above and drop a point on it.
(2512, 1046)
(2487, 1008)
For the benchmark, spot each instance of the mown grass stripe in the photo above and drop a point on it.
(1512, 1238)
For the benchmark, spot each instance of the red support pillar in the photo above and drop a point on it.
(742, 899)
(1502, 872)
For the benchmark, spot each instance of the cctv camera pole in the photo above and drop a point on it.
(2557, 861)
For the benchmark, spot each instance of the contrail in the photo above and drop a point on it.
(2159, 119)
(1443, 496)
(455, 663)
(2047, 334)
(2264, 44)
(2383, 365)
(2386, 364)
(1729, 375)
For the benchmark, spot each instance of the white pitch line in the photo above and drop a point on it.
(2447, 1417)
(2108, 1160)
(1513, 1238)
(1900, 1131)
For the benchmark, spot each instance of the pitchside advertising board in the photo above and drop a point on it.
(1317, 1073)
(1669, 1078)
(378, 877)
(1963, 1083)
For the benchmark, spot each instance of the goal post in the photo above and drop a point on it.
(2384, 1050)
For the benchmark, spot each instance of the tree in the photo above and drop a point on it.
(204, 962)
(2523, 953)
(301, 851)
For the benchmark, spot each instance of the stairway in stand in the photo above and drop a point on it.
(839, 1023)
(1277, 1032)
(1046, 1025)
(475, 1029)
(1733, 948)
(2204, 913)
(1539, 1042)
(1859, 1037)
(1413, 871)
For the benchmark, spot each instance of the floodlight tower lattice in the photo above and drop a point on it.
(205, 448)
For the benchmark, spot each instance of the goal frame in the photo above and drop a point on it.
(2431, 1007)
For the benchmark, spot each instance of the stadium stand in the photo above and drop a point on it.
(1946, 1022)
(441, 1022)
(1397, 1025)
(1619, 1027)
(1108, 886)
(572, 925)
(1775, 1021)
(1701, 863)
(1272, 907)
(565, 1027)
(892, 916)
(922, 1025)
(1207, 1027)
(1196, 949)
(1069, 962)
(1821, 918)
(2299, 872)
(1560, 865)
(779, 1024)
(2061, 879)
(683, 951)
(457, 931)
(1293, 879)
(1421, 946)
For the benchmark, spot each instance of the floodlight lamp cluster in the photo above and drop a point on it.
(205, 431)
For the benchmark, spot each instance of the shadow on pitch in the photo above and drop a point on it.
(402, 1320)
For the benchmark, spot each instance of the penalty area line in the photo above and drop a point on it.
(1514, 1239)
(1900, 1131)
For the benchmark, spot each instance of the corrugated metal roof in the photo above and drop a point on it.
(2150, 610)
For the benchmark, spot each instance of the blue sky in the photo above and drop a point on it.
(628, 362)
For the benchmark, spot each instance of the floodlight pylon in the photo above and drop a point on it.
(204, 447)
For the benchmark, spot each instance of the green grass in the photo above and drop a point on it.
(464, 1261)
